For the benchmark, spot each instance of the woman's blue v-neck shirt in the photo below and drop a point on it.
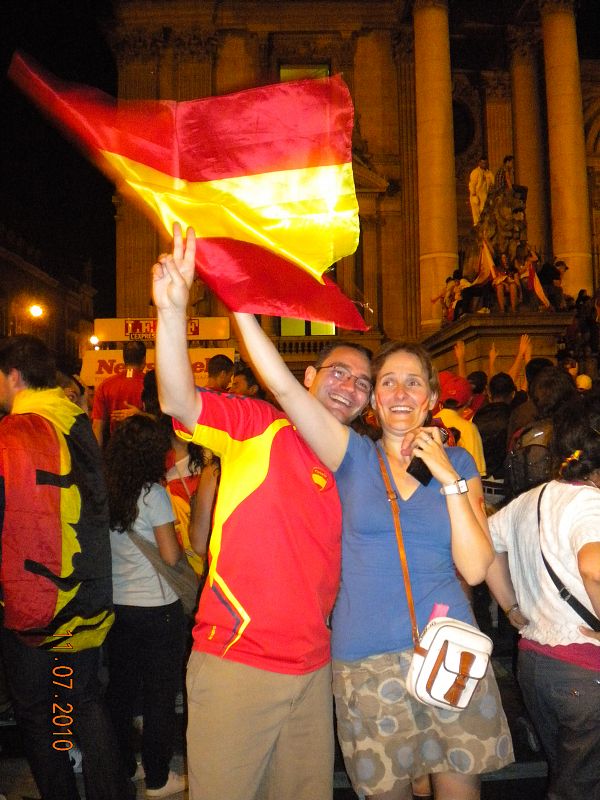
(371, 613)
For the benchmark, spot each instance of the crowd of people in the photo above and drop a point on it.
(523, 282)
(500, 271)
(282, 511)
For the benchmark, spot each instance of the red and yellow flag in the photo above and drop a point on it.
(264, 176)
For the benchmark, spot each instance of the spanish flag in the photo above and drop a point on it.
(264, 176)
(486, 270)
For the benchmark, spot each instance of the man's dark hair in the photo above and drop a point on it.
(218, 364)
(134, 353)
(243, 369)
(65, 381)
(506, 159)
(534, 366)
(502, 386)
(326, 351)
(478, 380)
(150, 402)
(30, 356)
(552, 389)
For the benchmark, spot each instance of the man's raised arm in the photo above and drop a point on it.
(172, 277)
(327, 437)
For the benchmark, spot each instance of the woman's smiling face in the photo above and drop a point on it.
(402, 393)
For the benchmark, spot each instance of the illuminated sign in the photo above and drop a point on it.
(124, 329)
(100, 364)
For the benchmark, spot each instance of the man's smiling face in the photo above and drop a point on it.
(337, 389)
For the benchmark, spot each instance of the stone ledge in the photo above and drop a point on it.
(480, 331)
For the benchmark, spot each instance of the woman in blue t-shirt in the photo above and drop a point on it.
(387, 737)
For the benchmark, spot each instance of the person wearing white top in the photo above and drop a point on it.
(146, 643)
(559, 653)
(481, 181)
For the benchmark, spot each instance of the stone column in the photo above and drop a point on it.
(369, 228)
(344, 54)
(571, 237)
(269, 324)
(498, 117)
(194, 53)
(407, 259)
(137, 240)
(528, 135)
(435, 154)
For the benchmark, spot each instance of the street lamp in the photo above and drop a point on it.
(36, 311)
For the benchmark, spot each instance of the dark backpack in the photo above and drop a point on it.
(529, 461)
(492, 423)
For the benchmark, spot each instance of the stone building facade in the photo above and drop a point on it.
(435, 86)
(66, 305)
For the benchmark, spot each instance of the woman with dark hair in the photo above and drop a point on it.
(145, 644)
(388, 738)
(559, 654)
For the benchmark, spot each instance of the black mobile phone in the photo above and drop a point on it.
(418, 468)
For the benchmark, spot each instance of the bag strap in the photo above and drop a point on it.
(150, 552)
(579, 608)
(182, 478)
(393, 500)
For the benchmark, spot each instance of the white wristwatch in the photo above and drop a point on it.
(458, 487)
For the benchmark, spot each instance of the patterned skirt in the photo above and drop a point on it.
(387, 737)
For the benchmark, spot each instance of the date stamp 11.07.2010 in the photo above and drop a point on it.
(62, 711)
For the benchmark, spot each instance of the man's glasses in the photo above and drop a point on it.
(341, 374)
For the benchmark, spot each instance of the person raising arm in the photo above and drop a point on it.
(329, 440)
(371, 603)
(259, 676)
(172, 277)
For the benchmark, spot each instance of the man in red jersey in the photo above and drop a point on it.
(120, 391)
(259, 677)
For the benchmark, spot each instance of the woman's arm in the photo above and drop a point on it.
(501, 586)
(168, 546)
(459, 353)
(471, 543)
(492, 355)
(588, 562)
(521, 358)
(327, 437)
(472, 549)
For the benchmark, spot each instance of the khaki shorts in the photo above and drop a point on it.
(258, 735)
(387, 737)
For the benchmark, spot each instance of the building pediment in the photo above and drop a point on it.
(366, 180)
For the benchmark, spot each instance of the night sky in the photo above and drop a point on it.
(49, 193)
